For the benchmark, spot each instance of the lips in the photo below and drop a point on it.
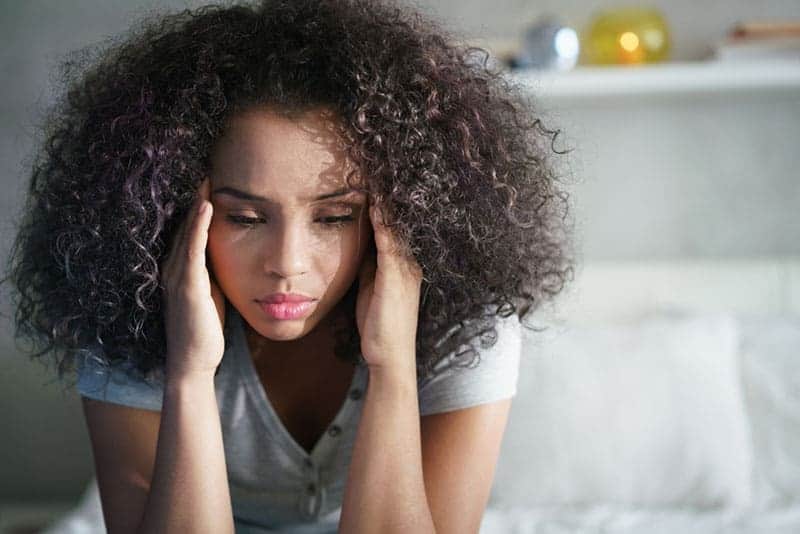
(277, 298)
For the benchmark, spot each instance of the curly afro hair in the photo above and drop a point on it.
(456, 157)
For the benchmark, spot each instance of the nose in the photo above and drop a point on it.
(289, 252)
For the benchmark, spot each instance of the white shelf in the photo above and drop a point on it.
(664, 78)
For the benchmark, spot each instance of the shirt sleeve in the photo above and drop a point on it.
(492, 379)
(116, 384)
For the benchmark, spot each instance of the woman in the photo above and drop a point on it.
(288, 248)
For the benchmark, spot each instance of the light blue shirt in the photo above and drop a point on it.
(275, 484)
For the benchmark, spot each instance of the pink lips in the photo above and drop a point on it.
(287, 310)
(285, 297)
(287, 305)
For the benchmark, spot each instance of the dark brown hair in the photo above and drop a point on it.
(454, 153)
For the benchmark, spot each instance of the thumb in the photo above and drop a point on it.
(198, 240)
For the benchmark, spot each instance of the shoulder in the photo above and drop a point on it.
(119, 383)
(492, 378)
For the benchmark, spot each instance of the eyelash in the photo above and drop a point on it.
(248, 222)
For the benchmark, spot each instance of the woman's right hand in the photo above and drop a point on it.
(194, 305)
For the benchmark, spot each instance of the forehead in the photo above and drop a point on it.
(266, 150)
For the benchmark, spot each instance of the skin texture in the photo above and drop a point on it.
(292, 244)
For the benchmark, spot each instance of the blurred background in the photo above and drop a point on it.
(682, 119)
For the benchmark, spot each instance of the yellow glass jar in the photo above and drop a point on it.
(625, 35)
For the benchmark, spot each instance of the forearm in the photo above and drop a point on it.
(385, 489)
(189, 488)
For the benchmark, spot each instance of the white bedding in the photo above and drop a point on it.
(607, 519)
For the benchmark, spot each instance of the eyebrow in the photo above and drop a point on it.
(244, 195)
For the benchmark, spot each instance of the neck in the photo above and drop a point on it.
(316, 346)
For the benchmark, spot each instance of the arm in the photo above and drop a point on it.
(189, 491)
(163, 471)
(460, 449)
(385, 490)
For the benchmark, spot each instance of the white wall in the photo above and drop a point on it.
(663, 176)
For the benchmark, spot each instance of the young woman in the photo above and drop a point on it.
(288, 249)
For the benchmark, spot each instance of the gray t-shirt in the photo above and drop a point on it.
(275, 485)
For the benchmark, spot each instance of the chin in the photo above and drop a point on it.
(285, 330)
(286, 337)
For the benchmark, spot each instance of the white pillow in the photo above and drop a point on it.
(647, 413)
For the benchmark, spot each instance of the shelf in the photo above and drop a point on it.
(700, 77)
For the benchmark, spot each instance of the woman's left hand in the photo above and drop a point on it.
(387, 305)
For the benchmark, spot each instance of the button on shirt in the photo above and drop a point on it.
(275, 484)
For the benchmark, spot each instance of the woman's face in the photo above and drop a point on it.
(283, 221)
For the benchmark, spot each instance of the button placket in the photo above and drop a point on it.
(310, 499)
(312, 484)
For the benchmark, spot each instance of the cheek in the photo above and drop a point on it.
(339, 261)
(216, 240)
(221, 253)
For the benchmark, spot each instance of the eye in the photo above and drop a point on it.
(337, 221)
(328, 221)
(244, 221)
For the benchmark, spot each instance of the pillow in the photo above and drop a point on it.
(771, 374)
(643, 413)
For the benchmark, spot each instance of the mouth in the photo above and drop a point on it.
(279, 298)
(288, 310)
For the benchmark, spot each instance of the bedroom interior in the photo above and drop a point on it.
(664, 393)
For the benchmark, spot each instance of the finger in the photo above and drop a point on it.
(177, 244)
(202, 203)
(390, 248)
(393, 255)
(182, 233)
(204, 191)
(198, 239)
(385, 240)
